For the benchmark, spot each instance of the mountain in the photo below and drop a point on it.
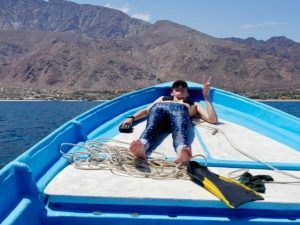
(64, 16)
(67, 47)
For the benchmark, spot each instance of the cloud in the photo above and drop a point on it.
(124, 9)
(264, 24)
(142, 16)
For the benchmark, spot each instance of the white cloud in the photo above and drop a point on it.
(142, 16)
(264, 24)
(124, 9)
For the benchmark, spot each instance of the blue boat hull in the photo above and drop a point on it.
(22, 182)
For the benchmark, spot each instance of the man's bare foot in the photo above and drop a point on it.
(138, 149)
(184, 155)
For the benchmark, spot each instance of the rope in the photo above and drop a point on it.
(218, 130)
(98, 154)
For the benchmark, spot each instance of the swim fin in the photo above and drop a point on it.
(230, 191)
(256, 182)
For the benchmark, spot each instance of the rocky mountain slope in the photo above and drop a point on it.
(60, 46)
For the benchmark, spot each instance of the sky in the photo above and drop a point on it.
(260, 19)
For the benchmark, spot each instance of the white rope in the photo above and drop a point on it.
(216, 130)
(98, 154)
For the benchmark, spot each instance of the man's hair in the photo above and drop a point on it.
(179, 83)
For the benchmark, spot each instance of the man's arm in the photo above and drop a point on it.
(210, 115)
(142, 113)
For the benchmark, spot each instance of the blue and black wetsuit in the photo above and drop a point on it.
(171, 115)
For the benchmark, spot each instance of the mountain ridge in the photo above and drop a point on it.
(61, 46)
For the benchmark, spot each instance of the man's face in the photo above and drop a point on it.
(180, 92)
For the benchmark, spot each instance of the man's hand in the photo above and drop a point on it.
(206, 87)
(127, 121)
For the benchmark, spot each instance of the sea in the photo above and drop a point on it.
(24, 123)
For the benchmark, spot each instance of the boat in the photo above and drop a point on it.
(42, 187)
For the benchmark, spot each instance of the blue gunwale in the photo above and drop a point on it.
(37, 166)
(101, 121)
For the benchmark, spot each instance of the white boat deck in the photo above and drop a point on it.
(102, 186)
(249, 141)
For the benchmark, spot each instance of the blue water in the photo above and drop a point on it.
(292, 107)
(22, 124)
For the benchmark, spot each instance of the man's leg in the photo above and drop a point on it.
(154, 122)
(179, 124)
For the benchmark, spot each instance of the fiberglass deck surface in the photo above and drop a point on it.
(74, 185)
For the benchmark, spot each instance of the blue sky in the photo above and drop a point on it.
(260, 19)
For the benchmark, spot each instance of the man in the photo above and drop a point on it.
(175, 112)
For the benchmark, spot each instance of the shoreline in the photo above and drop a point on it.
(277, 100)
(104, 100)
(52, 100)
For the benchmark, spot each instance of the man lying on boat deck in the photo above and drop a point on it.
(175, 111)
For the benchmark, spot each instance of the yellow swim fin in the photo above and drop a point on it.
(230, 191)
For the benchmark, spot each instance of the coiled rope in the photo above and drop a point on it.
(99, 154)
